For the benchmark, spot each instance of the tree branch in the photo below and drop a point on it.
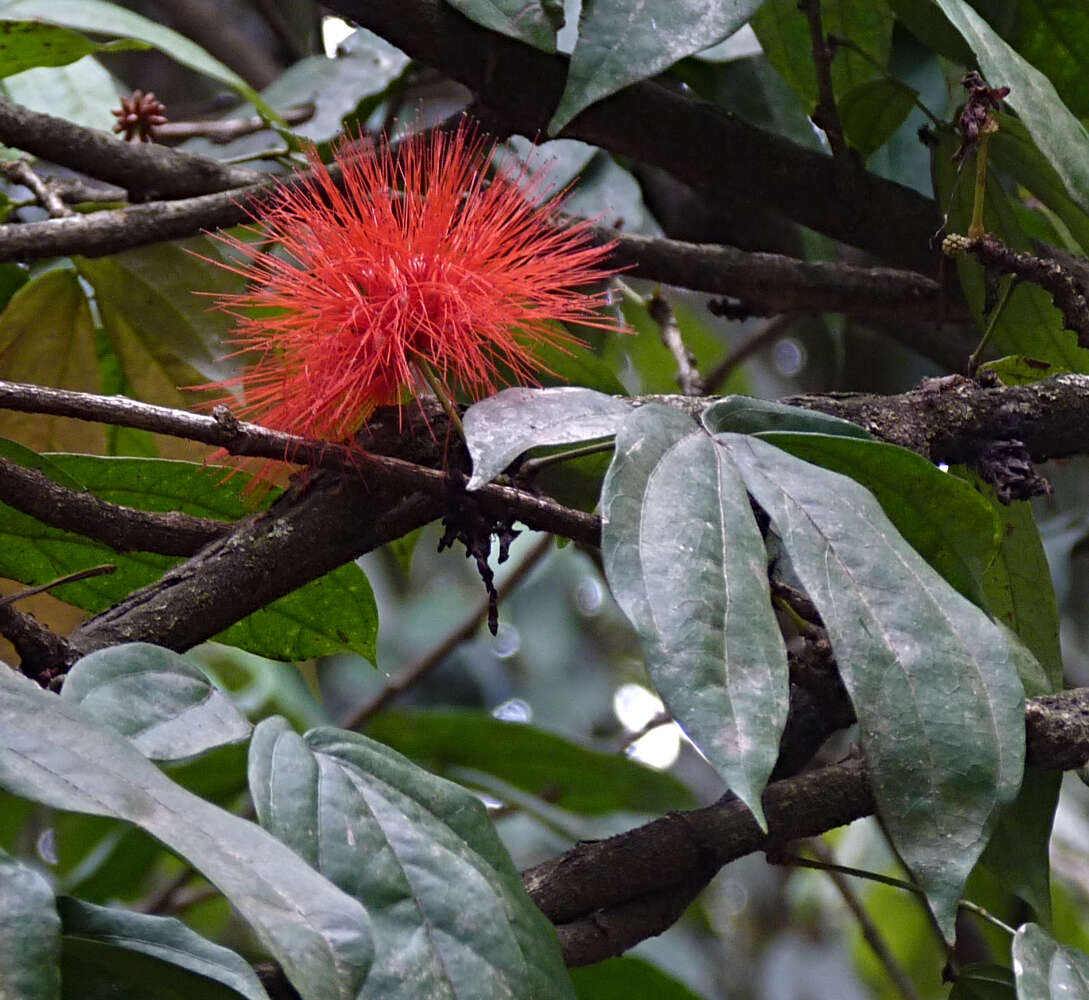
(651, 122)
(145, 170)
(607, 895)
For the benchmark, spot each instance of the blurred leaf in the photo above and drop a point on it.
(12, 276)
(102, 18)
(783, 31)
(872, 111)
(29, 934)
(82, 92)
(953, 700)
(53, 752)
(158, 699)
(928, 24)
(498, 429)
(1058, 134)
(1029, 324)
(621, 43)
(47, 337)
(181, 338)
(1046, 969)
(1012, 151)
(748, 415)
(983, 982)
(946, 521)
(328, 615)
(1054, 35)
(163, 938)
(566, 775)
(686, 563)
(1019, 370)
(449, 912)
(625, 979)
(531, 21)
(26, 44)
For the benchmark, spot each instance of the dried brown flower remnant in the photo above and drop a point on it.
(139, 115)
(977, 117)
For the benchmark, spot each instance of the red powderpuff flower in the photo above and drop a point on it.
(416, 258)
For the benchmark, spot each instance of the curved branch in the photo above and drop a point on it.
(607, 895)
(145, 170)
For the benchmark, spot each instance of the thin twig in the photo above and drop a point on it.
(420, 668)
(83, 574)
(870, 931)
(688, 376)
(21, 172)
(826, 115)
(221, 130)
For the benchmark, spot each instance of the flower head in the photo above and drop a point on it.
(414, 260)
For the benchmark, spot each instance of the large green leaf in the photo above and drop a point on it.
(932, 678)
(498, 429)
(26, 44)
(748, 415)
(686, 563)
(783, 30)
(108, 937)
(161, 701)
(328, 615)
(54, 752)
(531, 21)
(572, 777)
(29, 934)
(872, 112)
(983, 982)
(101, 18)
(82, 92)
(47, 337)
(1045, 969)
(946, 521)
(450, 916)
(152, 291)
(1020, 594)
(621, 42)
(1059, 135)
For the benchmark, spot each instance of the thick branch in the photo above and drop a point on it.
(608, 895)
(145, 170)
(656, 124)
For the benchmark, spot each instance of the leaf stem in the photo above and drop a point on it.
(534, 465)
(992, 322)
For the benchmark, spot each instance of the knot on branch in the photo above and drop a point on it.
(1008, 466)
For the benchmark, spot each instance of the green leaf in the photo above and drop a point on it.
(531, 21)
(1054, 34)
(932, 28)
(449, 912)
(29, 934)
(983, 982)
(500, 428)
(871, 112)
(47, 338)
(1019, 370)
(570, 776)
(26, 44)
(82, 92)
(115, 931)
(626, 978)
(328, 615)
(161, 701)
(101, 18)
(54, 752)
(165, 336)
(943, 518)
(748, 415)
(783, 31)
(1058, 134)
(1046, 969)
(621, 42)
(932, 678)
(686, 563)
(1012, 151)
